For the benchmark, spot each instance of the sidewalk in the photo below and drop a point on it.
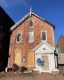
(35, 77)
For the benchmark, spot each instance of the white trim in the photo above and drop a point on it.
(32, 21)
(55, 61)
(21, 20)
(55, 69)
(40, 68)
(21, 37)
(43, 42)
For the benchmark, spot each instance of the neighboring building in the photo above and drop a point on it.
(32, 44)
(5, 23)
(58, 49)
(61, 43)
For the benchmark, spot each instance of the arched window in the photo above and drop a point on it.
(31, 23)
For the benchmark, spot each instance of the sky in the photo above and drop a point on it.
(50, 10)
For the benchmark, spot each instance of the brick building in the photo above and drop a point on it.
(32, 44)
(5, 23)
(61, 43)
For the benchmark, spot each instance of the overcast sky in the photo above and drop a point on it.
(50, 10)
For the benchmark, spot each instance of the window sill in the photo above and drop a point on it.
(31, 27)
(30, 41)
(18, 42)
(43, 40)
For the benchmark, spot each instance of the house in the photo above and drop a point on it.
(32, 44)
(60, 50)
(5, 23)
(61, 43)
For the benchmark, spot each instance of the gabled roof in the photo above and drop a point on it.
(26, 16)
(46, 44)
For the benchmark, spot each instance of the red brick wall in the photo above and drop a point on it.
(25, 46)
(61, 44)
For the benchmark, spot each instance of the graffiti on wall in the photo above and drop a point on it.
(40, 62)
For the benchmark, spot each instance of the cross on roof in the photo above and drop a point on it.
(30, 8)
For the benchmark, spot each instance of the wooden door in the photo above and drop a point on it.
(46, 63)
(18, 58)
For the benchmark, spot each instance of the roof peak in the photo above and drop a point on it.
(29, 14)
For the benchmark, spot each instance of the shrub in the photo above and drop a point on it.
(22, 69)
(15, 67)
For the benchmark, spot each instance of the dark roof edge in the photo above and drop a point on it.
(44, 20)
(49, 23)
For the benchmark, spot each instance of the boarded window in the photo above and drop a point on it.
(18, 58)
(31, 36)
(46, 63)
(31, 58)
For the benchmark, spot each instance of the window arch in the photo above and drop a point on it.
(31, 23)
